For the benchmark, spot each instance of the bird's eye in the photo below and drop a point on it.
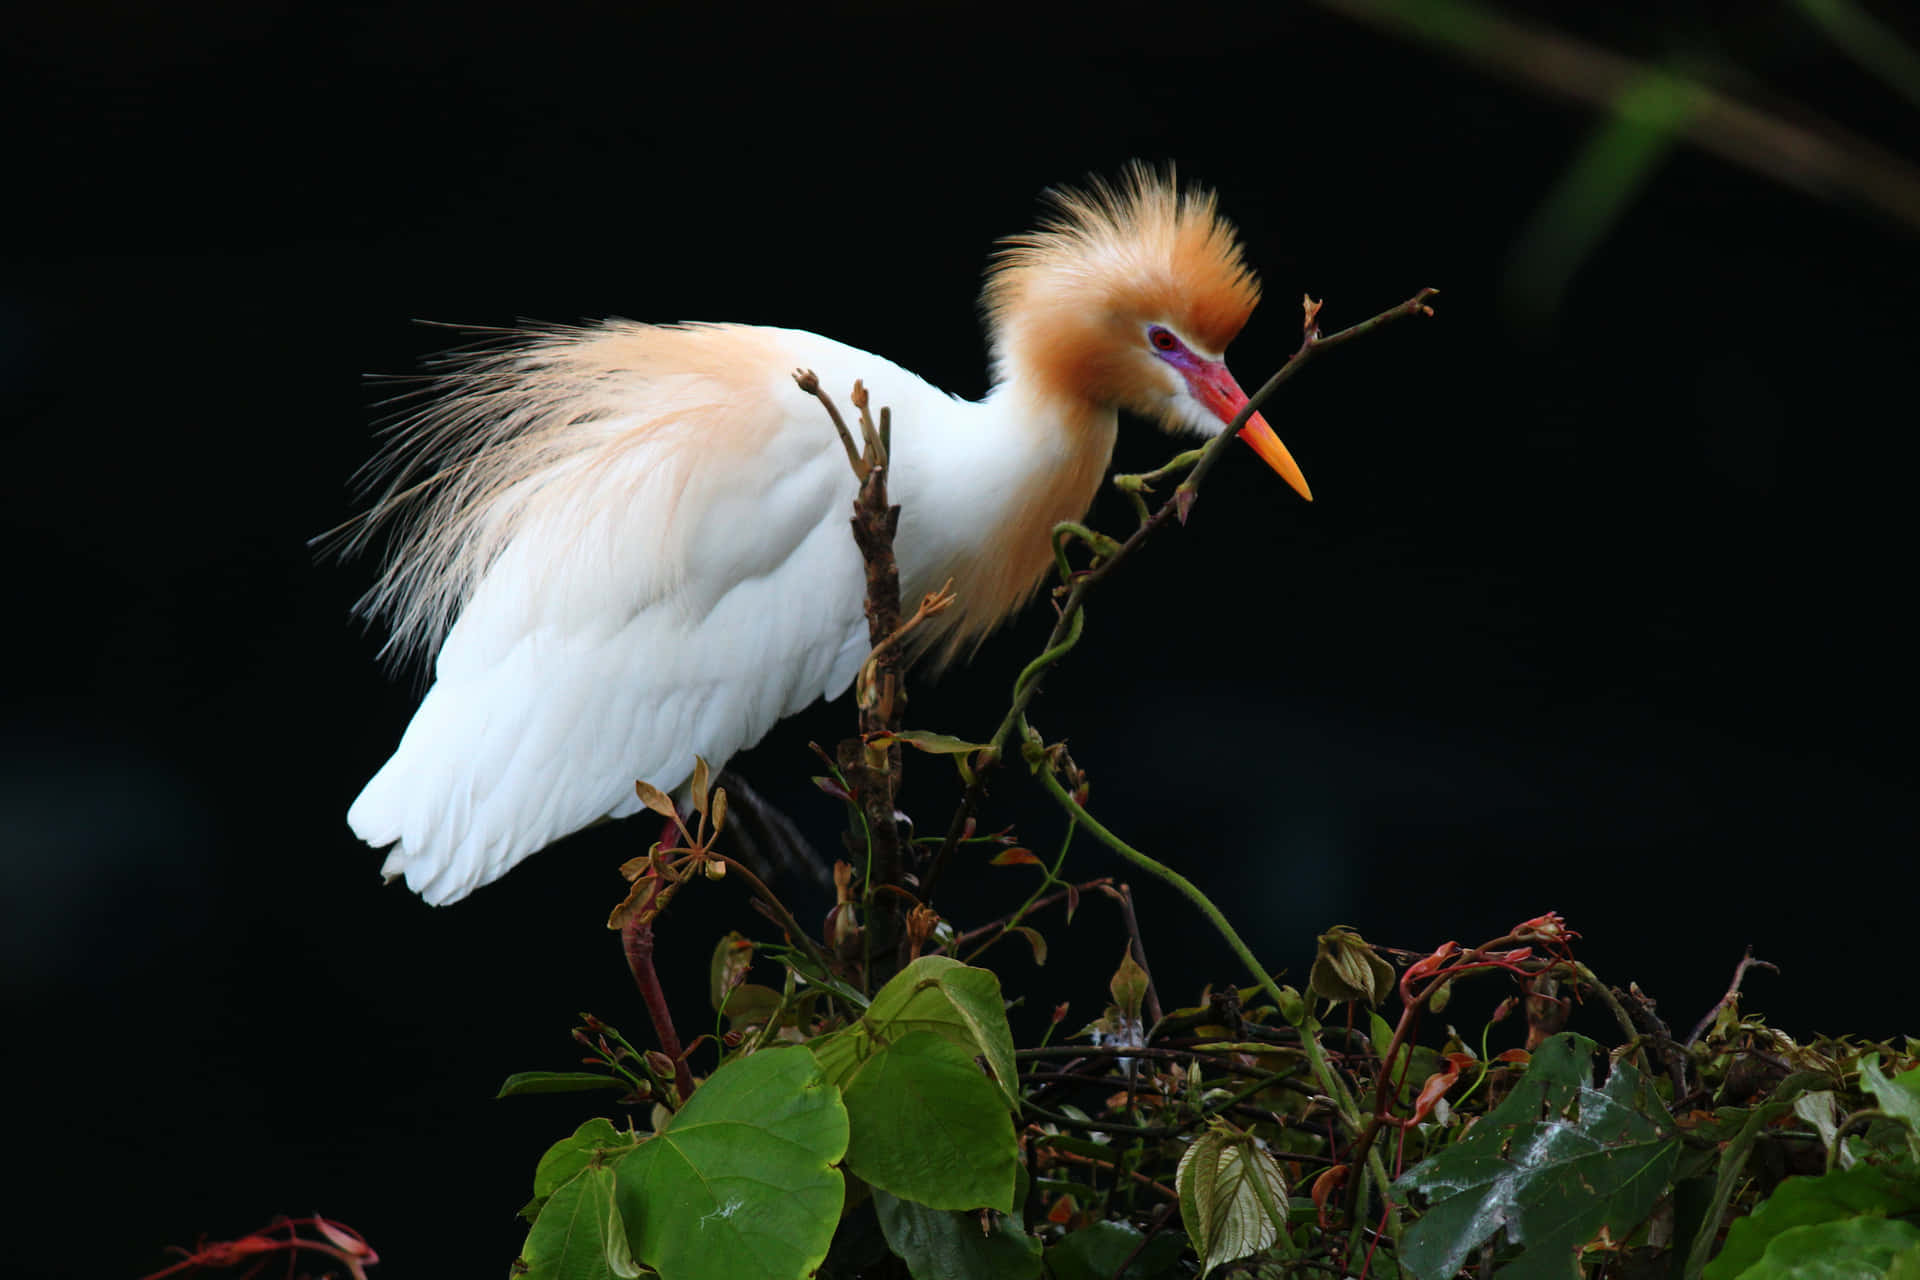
(1161, 339)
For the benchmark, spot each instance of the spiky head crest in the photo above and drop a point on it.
(1109, 257)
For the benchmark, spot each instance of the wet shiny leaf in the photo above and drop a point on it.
(1552, 1165)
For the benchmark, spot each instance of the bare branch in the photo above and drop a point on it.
(1733, 989)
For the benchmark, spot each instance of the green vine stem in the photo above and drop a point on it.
(1323, 1073)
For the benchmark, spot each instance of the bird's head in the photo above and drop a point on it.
(1127, 297)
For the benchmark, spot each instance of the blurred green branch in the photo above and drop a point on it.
(1817, 157)
(1868, 41)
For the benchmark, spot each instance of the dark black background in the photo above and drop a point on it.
(1602, 606)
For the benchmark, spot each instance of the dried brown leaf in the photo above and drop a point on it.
(700, 780)
(656, 799)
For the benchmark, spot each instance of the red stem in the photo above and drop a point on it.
(636, 936)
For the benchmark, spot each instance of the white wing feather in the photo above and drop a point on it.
(649, 561)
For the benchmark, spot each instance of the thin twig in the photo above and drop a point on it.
(1650, 1028)
(998, 927)
(810, 383)
(1733, 989)
(1074, 1157)
(777, 912)
(1066, 628)
(1155, 1132)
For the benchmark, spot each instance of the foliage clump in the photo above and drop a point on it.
(869, 1113)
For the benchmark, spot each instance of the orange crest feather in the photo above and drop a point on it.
(1142, 249)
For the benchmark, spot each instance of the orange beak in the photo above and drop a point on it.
(1215, 388)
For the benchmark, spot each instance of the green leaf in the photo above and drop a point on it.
(557, 1082)
(940, 744)
(958, 1003)
(1904, 1265)
(929, 1127)
(579, 1234)
(1095, 1253)
(1863, 1191)
(1821, 1109)
(1380, 1034)
(567, 1157)
(1128, 985)
(1552, 1164)
(1733, 1162)
(1850, 1249)
(740, 1184)
(939, 1244)
(1232, 1197)
(1898, 1097)
(1034, 940)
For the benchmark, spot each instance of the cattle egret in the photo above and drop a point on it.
(628, 543)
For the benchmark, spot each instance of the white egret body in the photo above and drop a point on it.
(629, 542)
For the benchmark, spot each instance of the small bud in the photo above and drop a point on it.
(660, 1064)
(921, 922)
(345, 1239)
(714, 869)
(1346, 968)
(1183, 502)
(843, 926)
(1547, 928)
(1129, 985)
